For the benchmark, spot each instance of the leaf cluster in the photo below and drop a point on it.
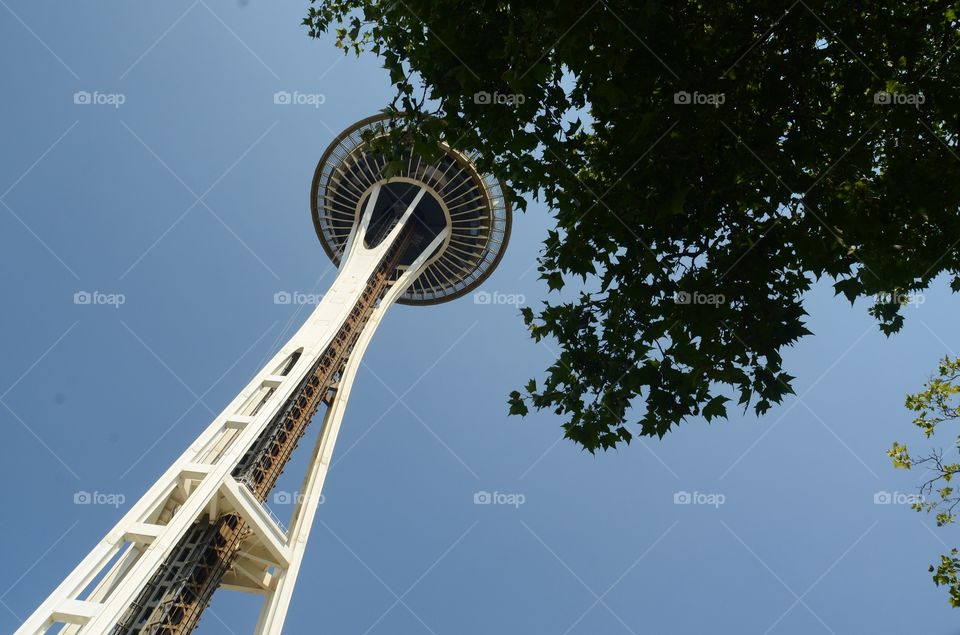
(796, 170)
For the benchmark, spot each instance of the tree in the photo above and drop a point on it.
(705, 162)
(935, 404)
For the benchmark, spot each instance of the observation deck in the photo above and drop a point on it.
(456, 195)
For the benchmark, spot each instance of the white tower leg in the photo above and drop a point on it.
(278, 597)
(200, 481)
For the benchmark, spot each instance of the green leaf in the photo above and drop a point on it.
(715, 408)
(517, 405)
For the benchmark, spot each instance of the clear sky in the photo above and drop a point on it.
(189, 201)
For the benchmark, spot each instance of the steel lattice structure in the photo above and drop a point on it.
(426, 233)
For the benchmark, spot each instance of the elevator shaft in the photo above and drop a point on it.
(173, 600)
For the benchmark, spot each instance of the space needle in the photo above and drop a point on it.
(400, 228)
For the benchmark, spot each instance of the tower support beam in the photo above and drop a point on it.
(201, 479)
(278, 598)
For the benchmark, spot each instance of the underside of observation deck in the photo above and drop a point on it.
(474, 206)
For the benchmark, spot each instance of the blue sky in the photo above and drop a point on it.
(190, 201)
